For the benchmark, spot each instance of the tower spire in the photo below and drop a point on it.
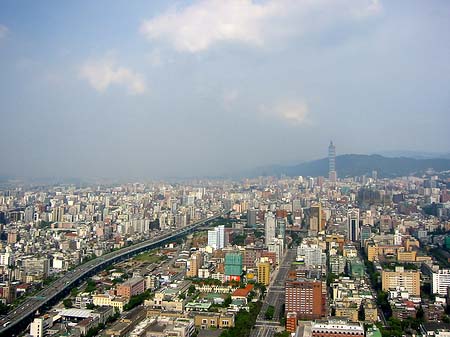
(332, 175)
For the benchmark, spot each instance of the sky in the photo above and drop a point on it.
(153, 89)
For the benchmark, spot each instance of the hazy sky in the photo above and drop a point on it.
(156, 88)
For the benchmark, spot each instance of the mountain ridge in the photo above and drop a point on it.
(350, 165)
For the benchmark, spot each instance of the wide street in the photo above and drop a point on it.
(275, 297)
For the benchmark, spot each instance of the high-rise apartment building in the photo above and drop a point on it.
(9, 292)
(332, 175)
(216, 237)
(195, 262)
(264, 271)
(441, 282)
(39, 326)
(401, 278)
(251, 256)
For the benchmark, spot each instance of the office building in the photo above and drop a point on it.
(353, 228)
(251, 217)
(281, 225)
(365, 233)
(36, 266)
(270, 228)
(304, 297)
(311, 255)
(315, 218)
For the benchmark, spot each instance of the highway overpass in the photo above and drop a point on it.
(19, 318)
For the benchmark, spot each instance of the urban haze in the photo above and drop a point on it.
(239, 168)
(157, 89)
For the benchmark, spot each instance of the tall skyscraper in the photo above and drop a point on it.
(270, 227)
(251, 217)
(281, 225)
(332, 175)
(353, 228)
(315, 218)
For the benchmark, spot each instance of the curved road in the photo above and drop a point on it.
(32, 304)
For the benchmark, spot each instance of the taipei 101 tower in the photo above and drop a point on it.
(332, 175)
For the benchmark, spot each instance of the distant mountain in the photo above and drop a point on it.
(414, 154)
(350, 165)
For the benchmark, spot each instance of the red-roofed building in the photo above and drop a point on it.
(242, 293)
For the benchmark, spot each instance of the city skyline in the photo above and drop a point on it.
(120, 91)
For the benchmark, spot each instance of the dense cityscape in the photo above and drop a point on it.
(307, 256)
(225, 168)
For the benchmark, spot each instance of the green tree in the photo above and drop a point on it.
(282, 334)
(68, 303)
(227, 301)
(90, 286)
(74, 292)
(191, 289)
(3, 309)
(269, 312)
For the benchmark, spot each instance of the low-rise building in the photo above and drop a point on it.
(213, 320)
(109, 301)
(131, 287)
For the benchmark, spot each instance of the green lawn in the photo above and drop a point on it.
(149, 257)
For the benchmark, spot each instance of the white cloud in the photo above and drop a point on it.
(103, 73)
(229, 97)
(206, 22)
(295, 112)
(3, 31)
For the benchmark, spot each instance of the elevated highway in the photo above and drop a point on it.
(19, 318)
